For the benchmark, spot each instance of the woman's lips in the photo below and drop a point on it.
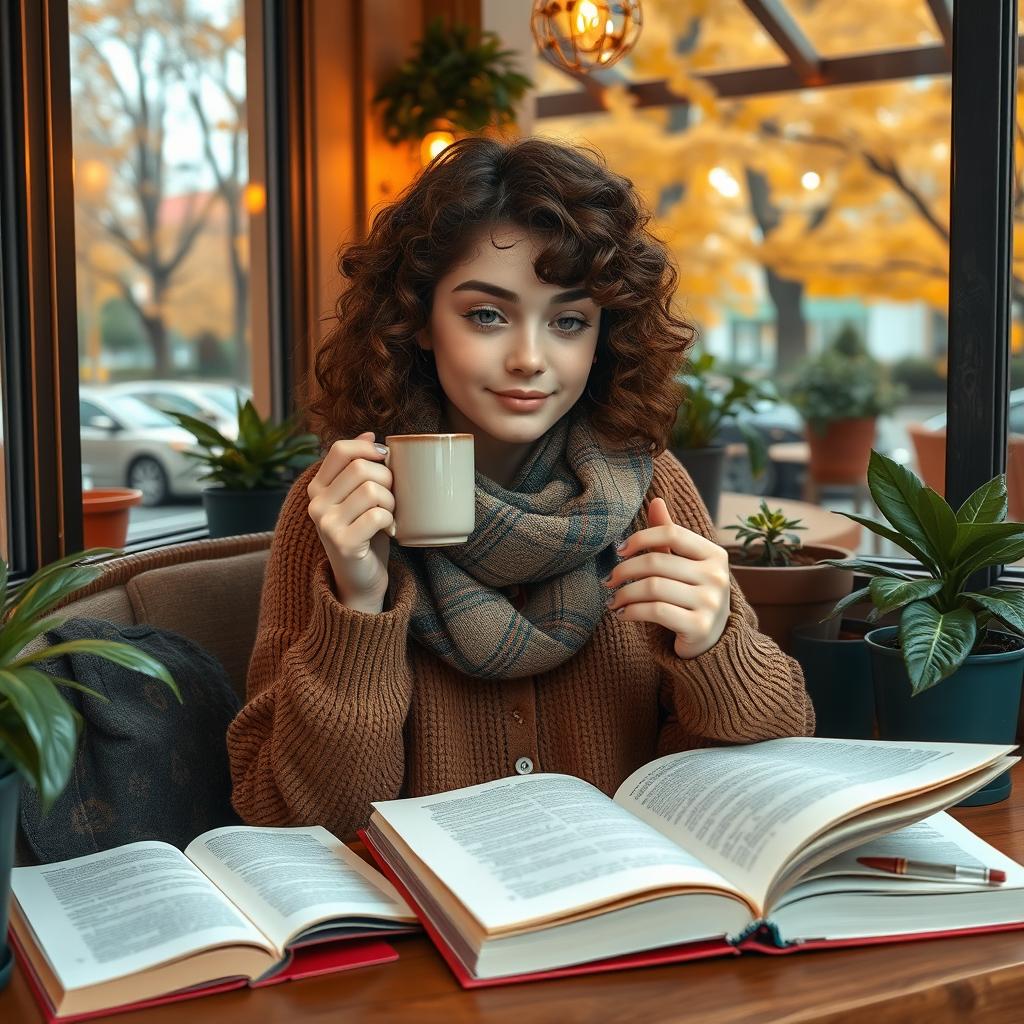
(520, 404)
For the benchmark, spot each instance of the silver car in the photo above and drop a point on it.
(210, 402)
(127, 443)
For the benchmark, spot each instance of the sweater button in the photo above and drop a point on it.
(524, 766)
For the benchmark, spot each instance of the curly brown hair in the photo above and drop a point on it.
(592, 226)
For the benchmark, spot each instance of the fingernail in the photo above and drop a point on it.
(382, 448)
(609, 601)
(620, 546)
(604, 582)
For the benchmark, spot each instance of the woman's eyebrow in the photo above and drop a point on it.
(504, 293)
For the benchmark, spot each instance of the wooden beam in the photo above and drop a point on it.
(888, 65)
(781, 26)
(942, 12)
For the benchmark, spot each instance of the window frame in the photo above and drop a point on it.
(38, 298)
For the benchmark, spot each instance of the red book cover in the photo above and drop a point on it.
(305, 962)
(647, 958)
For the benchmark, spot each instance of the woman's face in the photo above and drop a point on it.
(495, 328)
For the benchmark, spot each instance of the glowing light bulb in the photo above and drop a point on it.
(723, 182)
(810, 180)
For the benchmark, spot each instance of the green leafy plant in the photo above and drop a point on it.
(708, 406)
(842, 382)
(38, 728)
(941, 622)
(451, 78)
(262, 457)
(769, 529)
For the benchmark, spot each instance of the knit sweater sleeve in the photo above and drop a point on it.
(320, 735)
(744, 687)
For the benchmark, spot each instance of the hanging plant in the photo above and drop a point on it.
(450, 78)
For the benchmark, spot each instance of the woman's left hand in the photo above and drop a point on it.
(680, 580)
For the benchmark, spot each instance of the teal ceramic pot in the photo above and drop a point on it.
(979, 703)
(230, 513)
(837, 672)
(10, 783)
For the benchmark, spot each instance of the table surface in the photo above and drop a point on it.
(823, 525)
(975, 978)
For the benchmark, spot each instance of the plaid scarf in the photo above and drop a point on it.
(553, 530)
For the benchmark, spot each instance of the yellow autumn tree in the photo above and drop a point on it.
(824, 192)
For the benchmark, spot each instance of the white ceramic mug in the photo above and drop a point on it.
(434, 488)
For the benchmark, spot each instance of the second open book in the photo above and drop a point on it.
(699, 853)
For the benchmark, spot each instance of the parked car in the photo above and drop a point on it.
(777, 422)
(127, 443)
(1015, 420)
(213, 403)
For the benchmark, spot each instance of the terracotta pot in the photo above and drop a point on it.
(105, 512)
(795, 595)
(841, 454)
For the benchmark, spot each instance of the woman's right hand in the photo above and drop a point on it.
(351, 503)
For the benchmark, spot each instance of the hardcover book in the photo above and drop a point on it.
(703, 853)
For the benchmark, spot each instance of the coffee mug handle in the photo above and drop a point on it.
(389, 530)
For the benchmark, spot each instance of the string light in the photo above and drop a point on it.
(580, 36)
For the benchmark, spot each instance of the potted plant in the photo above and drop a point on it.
(841, 393)
(707, 407)
(946, 632)
(451, 83)
(837, 673)
(787, 583)
(38, 728)
(254, 471)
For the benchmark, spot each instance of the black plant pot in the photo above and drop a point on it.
(229, 513)
(837, 672)
(978, 703)
(10, 783)
(705, 466)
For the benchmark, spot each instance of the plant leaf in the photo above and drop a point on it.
(935, 643)
(889, 594)
(866, 566)
(111, 650)
(973, 537)
(987, 504)
(15, 638)
(1007, 603)
(897, 493)
(939, 524)
(897, 538)
(49, 722)
(843, 603)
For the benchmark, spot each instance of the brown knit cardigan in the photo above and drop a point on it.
(344, 708)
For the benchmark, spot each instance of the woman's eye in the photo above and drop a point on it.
(565, 324)
(486, 313)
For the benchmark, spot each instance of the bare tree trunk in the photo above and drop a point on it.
(786, 295)
(790, 322)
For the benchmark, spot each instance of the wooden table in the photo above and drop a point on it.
(823, 525)
(979, 978)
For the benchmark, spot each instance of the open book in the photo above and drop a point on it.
(697, 854)
(146, 923)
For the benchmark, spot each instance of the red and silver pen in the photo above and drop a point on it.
(948, 872)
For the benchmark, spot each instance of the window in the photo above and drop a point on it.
(162, 210)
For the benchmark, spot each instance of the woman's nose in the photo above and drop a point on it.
(526, 355)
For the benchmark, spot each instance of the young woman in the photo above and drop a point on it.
(589, 623)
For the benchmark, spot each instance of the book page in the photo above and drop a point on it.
(745, 810)
(110, 914)
(537, 846)
(287, 879)
(939, 838)
(842, 899)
